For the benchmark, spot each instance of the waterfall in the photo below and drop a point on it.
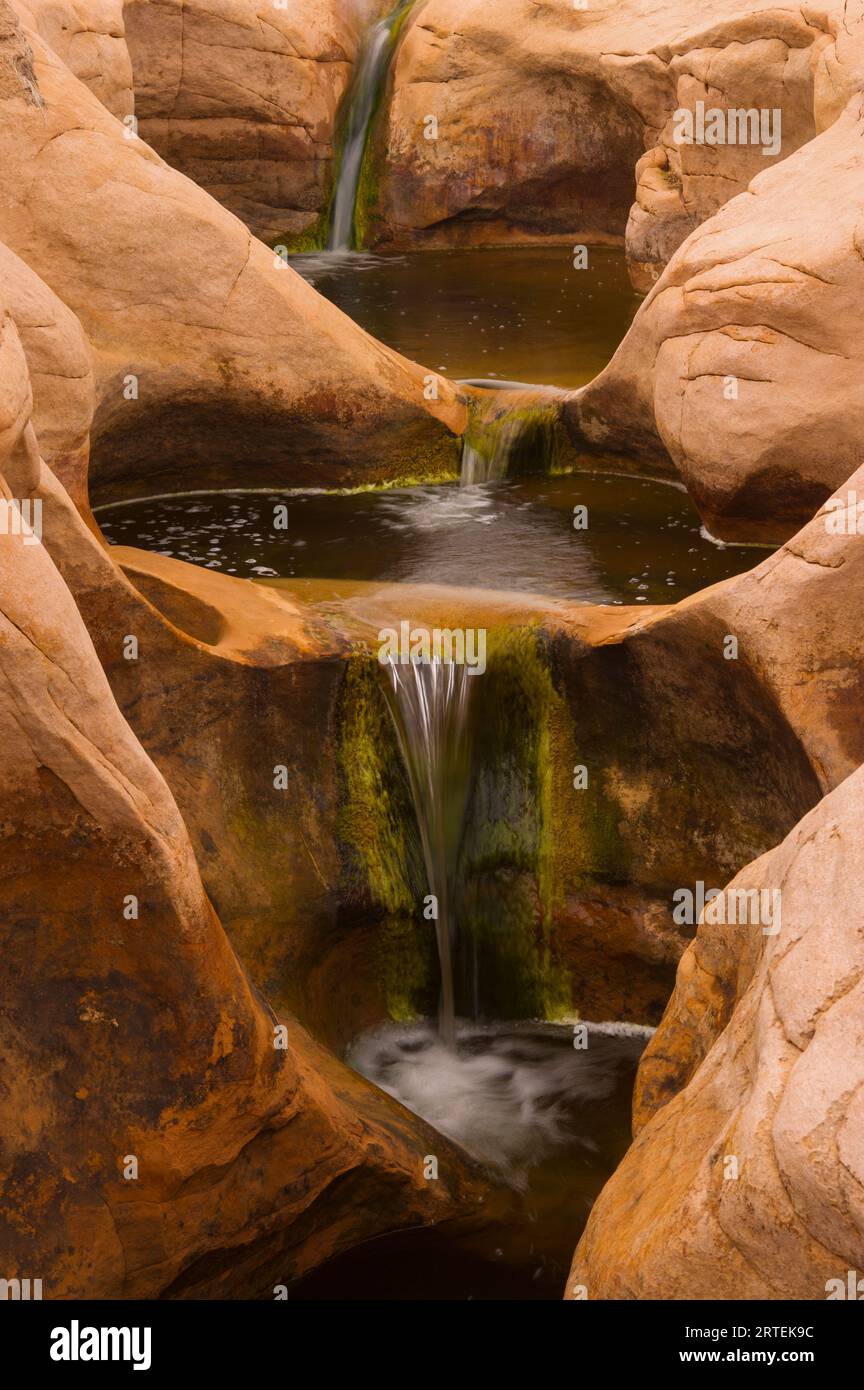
(509, 431)
(485, 458)
(429, 704)
(366, 88)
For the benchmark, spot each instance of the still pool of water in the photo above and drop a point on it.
(643, 542)
(551, 1120)
(516, 313)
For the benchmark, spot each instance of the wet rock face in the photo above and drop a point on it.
(244, 99)
(746, 1176)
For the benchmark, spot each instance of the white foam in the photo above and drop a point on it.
(509, 1094)
(616, 1029)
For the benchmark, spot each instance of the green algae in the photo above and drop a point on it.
(506, 911)
(514, 433)
(367, 191)
(530, 838)
(407, 968)
(313, 238)
(376, 809)
(383, 873)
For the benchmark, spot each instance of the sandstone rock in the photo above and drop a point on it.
(243, 98)
(744, 364)
(88, 36)
(697, 763)
(792, 619)
(698, 757)
(756, 1057)
(696, 796)
(154, 1141)
(227, 675)
(544, 112)
(748, 1182)
(718, 757)
(264, 676)
(531, 143)
(227, 364)
(759, 61)
(60, 368)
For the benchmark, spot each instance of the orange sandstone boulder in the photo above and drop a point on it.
(544, 113)
(746, 1178)
(744, 365)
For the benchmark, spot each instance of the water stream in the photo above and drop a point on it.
(507, 426)
(552, 1119)
(366, 88)
(429, 703)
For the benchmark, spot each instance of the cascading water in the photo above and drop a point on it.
(429, 704)
(507, 427)
(366, 88)
(488, 464)
(549, 1114)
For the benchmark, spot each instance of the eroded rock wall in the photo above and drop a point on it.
(746, 1178)
(244, 98)
(154, 1139)
(548, 118)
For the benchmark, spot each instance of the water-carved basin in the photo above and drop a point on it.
(637, 541)
(547, 1108)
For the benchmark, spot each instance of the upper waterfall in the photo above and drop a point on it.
(369, 78)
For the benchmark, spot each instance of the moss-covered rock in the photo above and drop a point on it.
(383, 876)
(506, 961)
